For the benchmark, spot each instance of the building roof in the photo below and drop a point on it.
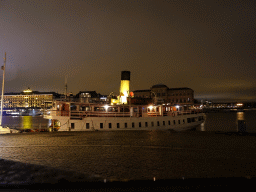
(160, 85)
(145, 90)
(182, 88)
(33, 93)
(92, 93)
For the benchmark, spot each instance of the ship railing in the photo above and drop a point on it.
(179, 113)
(153, 114)
(189, 112)
(56, 113)
(48, 114)
(82, 114)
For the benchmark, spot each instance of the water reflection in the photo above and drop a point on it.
(202, 128)
(27, 122)
(152, 135)
(240, 116)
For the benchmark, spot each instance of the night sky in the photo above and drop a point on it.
(208, 46)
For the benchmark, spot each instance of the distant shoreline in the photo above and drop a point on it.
(215, 110)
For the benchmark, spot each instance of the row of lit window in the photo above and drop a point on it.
(11, 105)
(29, 99)
(22, 103)
(179, 100)
(146, 96)
(164, 94)
(22, 96)
(25, 101)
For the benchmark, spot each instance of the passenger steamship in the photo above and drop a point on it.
(78, 116)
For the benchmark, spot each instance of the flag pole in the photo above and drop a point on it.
(2, 98)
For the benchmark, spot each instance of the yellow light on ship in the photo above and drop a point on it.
(150, 107)
(124, 86)
(124, 90)
(106, 107)
(114, 101)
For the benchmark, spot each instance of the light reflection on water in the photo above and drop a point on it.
(202, 128)
(227, 121)
(240, 115)
(25, 122)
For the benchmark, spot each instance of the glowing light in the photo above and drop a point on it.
(114, 101)
(27, 122)
(239, 104)
(27, 91)
(106, 107)
(150, 107)
(124, 91)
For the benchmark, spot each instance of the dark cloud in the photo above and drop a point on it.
(206, 45)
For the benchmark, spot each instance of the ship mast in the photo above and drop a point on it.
(66, 88)
(2, 98)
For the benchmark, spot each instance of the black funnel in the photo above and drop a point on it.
(125, 75)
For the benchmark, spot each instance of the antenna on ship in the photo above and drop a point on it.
(2, 98)
(66, 87)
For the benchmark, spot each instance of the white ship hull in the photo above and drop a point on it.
(94, 124)
(176, 123)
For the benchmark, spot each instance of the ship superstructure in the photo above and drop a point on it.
(122, 115)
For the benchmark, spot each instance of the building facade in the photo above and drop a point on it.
(29, 99)
(161, 94)
(90, 97)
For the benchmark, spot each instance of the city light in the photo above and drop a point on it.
(106, 107)
(124, 91)
(150, 107)
(27, 91)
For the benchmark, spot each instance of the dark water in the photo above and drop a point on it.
(136, 155)
(226, 122)
(139, 155)
(25, 122)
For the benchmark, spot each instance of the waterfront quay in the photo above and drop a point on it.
(135, 155)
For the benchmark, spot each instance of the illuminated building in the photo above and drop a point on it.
(29, 99)
(90, 97)
(161, 94)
